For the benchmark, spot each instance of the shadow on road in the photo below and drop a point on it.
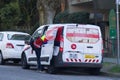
(70, 72)
(11, 63)
(65, 72)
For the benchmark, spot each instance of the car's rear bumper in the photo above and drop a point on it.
(11, 54)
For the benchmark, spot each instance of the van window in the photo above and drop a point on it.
(82, 35)
(36, 34)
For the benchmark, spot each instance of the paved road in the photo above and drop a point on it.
(15, 72)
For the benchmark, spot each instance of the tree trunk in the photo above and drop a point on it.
(50, 13)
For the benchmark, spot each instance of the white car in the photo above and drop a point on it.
(11, 45)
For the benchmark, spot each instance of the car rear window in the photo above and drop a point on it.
(18, 37)
(82, 35)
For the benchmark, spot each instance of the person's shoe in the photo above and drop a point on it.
(41, 71)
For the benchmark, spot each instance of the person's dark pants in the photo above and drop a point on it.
(38, 54)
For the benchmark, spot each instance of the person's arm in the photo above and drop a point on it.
(31, 43)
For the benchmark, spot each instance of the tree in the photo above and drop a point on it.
(20, 13)
(9, 15)
(50, 8)
(29, 12)
(77, 17)
(62, 17)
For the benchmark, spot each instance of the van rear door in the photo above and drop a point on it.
(71, 49)
(82, 43)
(93, 47)
(47, 48)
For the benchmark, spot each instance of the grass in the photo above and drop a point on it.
(115, 69)
(107, 64)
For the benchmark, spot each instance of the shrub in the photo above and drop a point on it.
(61, 17)
(78, 17)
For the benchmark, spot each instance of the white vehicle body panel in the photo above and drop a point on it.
(83, 48)
(11, 53)
(81, 44)
(47, 49)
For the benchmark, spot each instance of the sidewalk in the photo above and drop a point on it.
(111, 60)
(106, 69)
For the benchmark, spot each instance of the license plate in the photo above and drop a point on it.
(90, 56)
(73, 56)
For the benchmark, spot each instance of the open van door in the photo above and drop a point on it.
(47, 48)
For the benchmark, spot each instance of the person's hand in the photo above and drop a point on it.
(32, 51)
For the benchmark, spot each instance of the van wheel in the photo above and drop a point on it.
(94, 71)
(2, 62)
(51, 69)
(16, 62)
(24, 62)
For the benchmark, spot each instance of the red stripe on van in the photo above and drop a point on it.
(59, 34)
(97, 61)
(72, 60)
(86, 60)
(75, 60)
(67, 60)
(93, 61)
(79, 60)
(90, 60)
(82, 35)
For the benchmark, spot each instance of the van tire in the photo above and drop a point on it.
(94, 71)
(51, 69)
(2, 62)
(16, 62)
(24, 62)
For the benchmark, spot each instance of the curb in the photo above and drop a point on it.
(105, 73)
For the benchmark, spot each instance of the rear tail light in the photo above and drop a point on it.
(61, 49)
(9, 45)
(102, 51)
(61, 44)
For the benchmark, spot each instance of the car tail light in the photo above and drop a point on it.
(61, 44)
(9, 45)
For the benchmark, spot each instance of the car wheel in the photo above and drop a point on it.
(24, 62)
(1, 59)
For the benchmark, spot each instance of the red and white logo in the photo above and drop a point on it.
(73, 46)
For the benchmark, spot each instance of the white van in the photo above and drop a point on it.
(68, 46)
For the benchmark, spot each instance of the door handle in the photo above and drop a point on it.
(89, 46)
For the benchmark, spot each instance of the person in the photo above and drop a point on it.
(36, 45)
